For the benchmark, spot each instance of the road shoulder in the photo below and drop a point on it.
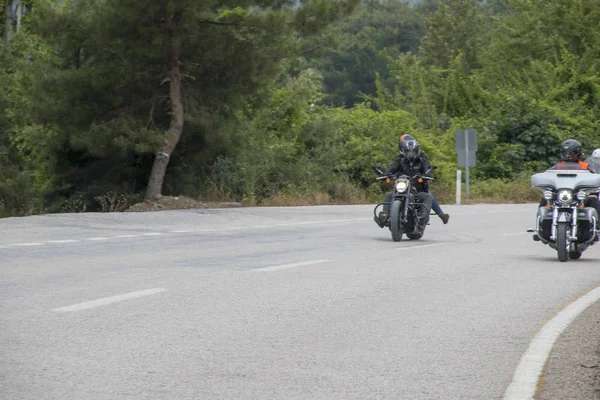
(573, 368)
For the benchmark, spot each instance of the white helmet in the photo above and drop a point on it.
(596, 154)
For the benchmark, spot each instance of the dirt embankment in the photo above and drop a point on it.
(162, 203)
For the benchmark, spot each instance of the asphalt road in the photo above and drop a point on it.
(281, 303)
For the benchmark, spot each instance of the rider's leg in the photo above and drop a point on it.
(435, 206)
(389, 196)
(380, 219)
(426, 199)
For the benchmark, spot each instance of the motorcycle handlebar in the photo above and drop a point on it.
(427, 178)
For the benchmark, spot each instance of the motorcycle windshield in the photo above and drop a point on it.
(566, 179)
(594, 164)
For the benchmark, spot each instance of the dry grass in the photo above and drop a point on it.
(315, 199)
(482, 192)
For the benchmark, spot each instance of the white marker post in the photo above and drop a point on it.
(458, 182)
(467, 164)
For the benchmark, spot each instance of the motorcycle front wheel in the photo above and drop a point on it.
(562, 247)
(395, 223)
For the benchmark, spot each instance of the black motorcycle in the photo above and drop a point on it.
(405, 215)
(565, 223)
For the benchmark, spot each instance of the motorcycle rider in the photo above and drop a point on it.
(409, 163)
(435, 206)
(571, 153)
(594, 161)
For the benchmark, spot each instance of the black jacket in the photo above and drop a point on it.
(420, 165)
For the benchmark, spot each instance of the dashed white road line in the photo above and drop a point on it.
(199, 231)
(287, 266)
(421, 246)
(108, 300)
(313, 222)
(527, 374)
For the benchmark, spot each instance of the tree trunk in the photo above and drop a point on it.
(19, 14)
(161, 160)
(8, 22)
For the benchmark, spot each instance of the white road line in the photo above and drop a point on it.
(108, 300)
(287, 266)
(514, 234)
(527, 375)
(421, 246)
(312, 222)
(187, 231)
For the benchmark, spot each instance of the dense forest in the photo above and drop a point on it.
(271, 101)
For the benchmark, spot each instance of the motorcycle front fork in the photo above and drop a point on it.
(555, 215)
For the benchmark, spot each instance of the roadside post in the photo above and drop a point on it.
(466, 150)
(458, 182)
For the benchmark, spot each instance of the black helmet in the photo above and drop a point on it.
(571, 150)
(404, 137)
(410, 149)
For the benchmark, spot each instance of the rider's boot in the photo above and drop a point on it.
(424, 215)
(380, 219)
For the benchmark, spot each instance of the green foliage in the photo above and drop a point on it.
(289, 102)
(503, 191)
(457, 27)
(360, 46)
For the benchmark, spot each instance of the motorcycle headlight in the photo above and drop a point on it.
(565, 196)
(401, 186)
(581, 196)
(548, 194)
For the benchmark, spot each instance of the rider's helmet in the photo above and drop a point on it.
(404, 137)
(571, 150)
(410, 149)
(596, 155)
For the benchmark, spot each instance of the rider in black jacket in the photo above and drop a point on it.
(410, 163)
(435, 206)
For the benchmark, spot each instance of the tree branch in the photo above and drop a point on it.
(207, 21)
(320, 45)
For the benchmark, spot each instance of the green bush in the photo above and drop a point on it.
(502, 191)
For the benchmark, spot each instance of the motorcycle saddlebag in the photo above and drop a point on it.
(545, 222)
(585, 223)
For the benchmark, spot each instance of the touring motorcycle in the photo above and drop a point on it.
(565, 223)
(404, 216)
